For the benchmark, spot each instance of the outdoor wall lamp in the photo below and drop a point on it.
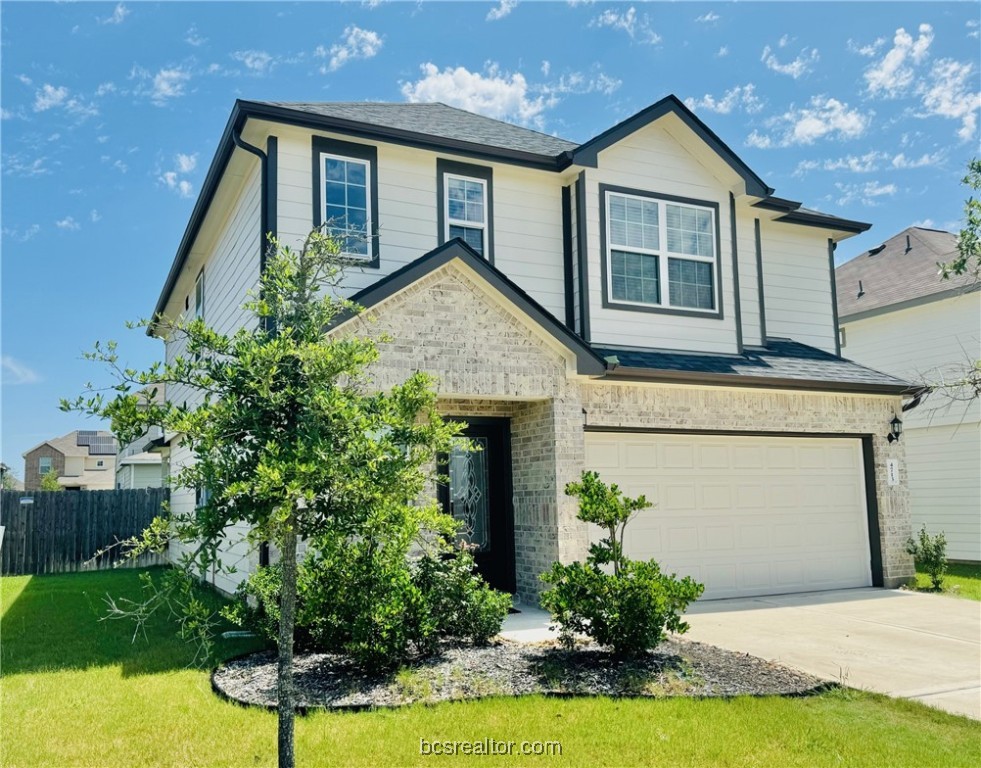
(895, 429)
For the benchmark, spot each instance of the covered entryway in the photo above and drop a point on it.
(745, 515)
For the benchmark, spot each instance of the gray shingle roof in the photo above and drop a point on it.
(898, 271)
(780, 359)
(439, 120)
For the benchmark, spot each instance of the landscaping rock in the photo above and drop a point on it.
(677, 668)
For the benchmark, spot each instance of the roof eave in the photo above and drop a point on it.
(626, 373)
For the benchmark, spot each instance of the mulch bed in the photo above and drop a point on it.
(506, 668)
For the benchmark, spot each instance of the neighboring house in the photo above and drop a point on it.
(84, 460)
(140, 464)
(7, 477)
(897, 315)
(639, 304)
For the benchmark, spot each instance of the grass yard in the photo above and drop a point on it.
(962, 580)
(78, 692)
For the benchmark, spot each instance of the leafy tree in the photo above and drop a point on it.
(965, 384)
(8, 482)
(968, 260)
(288, 437)
(49, 481)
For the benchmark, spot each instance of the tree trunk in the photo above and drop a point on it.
(287, 620)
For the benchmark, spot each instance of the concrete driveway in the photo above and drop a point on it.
(917, 646)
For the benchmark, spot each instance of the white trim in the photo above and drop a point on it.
(662, 254)
(366, 256)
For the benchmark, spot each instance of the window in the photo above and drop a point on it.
(346, 196)
(199, 296)
(44, 465)
(466, 205)
(660, 253)
(201, 496)
(100, 463)
(841, 337)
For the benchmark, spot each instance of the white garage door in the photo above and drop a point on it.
(743, 515)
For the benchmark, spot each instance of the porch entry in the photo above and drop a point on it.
(479, 495)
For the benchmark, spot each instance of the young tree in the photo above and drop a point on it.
(288, 436)
(49, 481)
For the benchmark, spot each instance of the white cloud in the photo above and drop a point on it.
(740, 97)
(577, 82)
(497, 94)
(546, 67)
(356, 43)
(708, 18)
(25, 79)
(824, 117)
(925, 224)
(24, 167)
(867, 193)
(120, 166)
(637, 27)
(17, 372)
(926, 160)
(948, 92)
(259, 62)
(972, 25)
(869, 49)
(49, 97)
(21, 237)
(95, 216)
(167, 84)
(193, 37)
(186, 163)
(722, 52)
(105, 88)
(503, 8)
(893, 74)
(802, 65)
(118, 16)
(68, 224)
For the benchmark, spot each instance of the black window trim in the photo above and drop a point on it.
(468, 170)
(610, 303)
(323, 145)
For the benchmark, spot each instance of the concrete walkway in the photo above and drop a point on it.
(906, 644)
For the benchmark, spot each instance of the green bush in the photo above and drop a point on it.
(930, 554)
(623, 604)
(368, 599)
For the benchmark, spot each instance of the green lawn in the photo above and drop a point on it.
(76, 691)
(962, 580)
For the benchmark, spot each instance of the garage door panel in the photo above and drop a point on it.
(744, 515)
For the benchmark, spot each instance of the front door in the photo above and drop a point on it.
(479, 496)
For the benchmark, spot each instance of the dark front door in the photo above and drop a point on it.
(479, 496)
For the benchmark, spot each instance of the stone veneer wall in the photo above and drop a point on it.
(490, 362)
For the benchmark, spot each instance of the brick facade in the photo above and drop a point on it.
(32, 477)
(492, 362)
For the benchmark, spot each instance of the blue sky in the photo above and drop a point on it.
(111, 113)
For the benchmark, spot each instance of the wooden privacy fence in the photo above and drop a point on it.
(58, 531)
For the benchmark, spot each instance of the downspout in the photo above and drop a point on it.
(267, 214)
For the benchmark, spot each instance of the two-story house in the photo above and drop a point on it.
(83, 460)
(897, 315)
(640, 304)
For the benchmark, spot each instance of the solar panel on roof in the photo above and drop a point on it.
(103, 445)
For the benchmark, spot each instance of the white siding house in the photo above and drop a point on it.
(911, 324)
(644, 282)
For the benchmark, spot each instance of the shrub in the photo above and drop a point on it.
(368, 599)
(623, 604)
(930, 554)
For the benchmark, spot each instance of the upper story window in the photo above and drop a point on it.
(346, 196)
(44, 465)
(660, 253)
(466, 205)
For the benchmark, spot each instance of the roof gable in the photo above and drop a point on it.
(587, 154)
(588, 362)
